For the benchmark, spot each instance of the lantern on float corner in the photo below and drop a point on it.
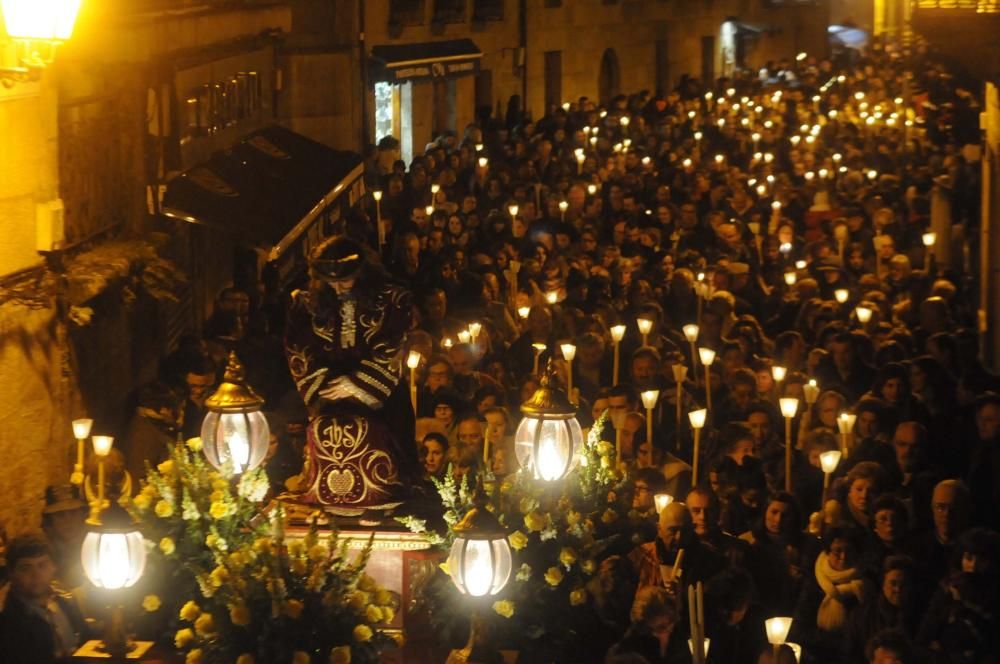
(548, 440)
(480, 557)
(234, 433)
(113, 553)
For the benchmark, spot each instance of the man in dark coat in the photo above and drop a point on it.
(343, 344)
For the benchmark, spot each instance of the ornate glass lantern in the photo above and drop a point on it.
(480, 558)
(548, 440)
(235, 432)
(113, 553)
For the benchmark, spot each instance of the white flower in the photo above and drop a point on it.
(524, 572)
(549, 533)
(189, 511)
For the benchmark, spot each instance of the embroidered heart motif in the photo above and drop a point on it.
(340, 482)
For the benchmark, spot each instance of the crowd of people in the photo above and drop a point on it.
(786, 214)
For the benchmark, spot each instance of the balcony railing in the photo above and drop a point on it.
(978, 6)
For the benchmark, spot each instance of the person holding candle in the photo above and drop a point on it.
(655, 635)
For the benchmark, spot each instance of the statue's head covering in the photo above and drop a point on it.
(337, 258)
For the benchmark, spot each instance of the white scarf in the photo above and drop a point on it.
(837, 586)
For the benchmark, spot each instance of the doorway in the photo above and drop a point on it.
(609, 78)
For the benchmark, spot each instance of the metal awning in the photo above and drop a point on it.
(396, 63)
(270, 190)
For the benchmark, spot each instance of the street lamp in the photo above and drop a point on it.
(377, 195)
(412, 362)
(81, 431)
(539, 348)
(789, 406)
(777, 632)
(35, 23)
(841, 295)
(649, 400)
(707, 356)
(548, 439)
(863, 313)
(234, 433)
(474, 329)
(691, 334)
(697, 418)
(102, 448)
(617, 334)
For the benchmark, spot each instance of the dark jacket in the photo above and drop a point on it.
(27, 638)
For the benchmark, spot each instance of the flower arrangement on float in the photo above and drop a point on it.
(558, 532)
(243, 591)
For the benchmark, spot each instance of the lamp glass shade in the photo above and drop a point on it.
(429, 210)
(539, 347)
(777, 629)
(40, 19)
(464, 336)
(790, 278)
(617, 332)
(512, 209)
(778, 373)
(413, 360)
(829, 460)
(523, 311)
(680, 372)
(645, 325)
(563, 206)
(81, 428)
(690, 332)
(447, 342)
(102, 445)
(568, 351)
(789, 405)
(475, 329)
(483, 161)
(845, 422)
(929, 239)
(547, 447)
(864, 314)
(811, 392)
(480, 567)
(236, 440)
(707, 356)
(552, 297)
(661, 500)
(697, 418)
(113, 560)
(841, 295)
(377, 194)
(649, 399)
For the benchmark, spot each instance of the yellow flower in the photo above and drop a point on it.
(384, 597)
(567, 556)
(142, 502)
(604, 448)
(167, 546)
(220, 485)
(211, 540)
(217, 496)
(163, 509)
(151, 603)
(193, 657)
(518, 540)
(553, 576)
(166, 467)
(373, 614)
(205, 624)
(362, 633)
(245, 658)
(239, 614)
(340, 655)
(318, 552)
(358, 600)
(293, 608)
(609, 516)
(218, 510)
(367, 583)
(296, 548)
(388, 613)
(190, 611)
(444, 567)
(194, 444)
(536, 522)
(578, 597)
(219, 576)
(589, 566)
(504, 607)
(237, 559)
(605, 462)
(183, 638)
(299, 657)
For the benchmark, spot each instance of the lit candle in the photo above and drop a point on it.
(789, 406)
(617, 334)
(412, 362)
(645, 327)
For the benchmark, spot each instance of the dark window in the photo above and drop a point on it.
(488, 10)
(406, 12)
(449, 11)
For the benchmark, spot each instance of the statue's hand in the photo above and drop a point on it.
(340, 388)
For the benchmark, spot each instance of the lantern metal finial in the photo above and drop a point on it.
(479, 522)
(234, 395)
(549, 399)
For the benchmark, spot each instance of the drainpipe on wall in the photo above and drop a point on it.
(363, 59)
